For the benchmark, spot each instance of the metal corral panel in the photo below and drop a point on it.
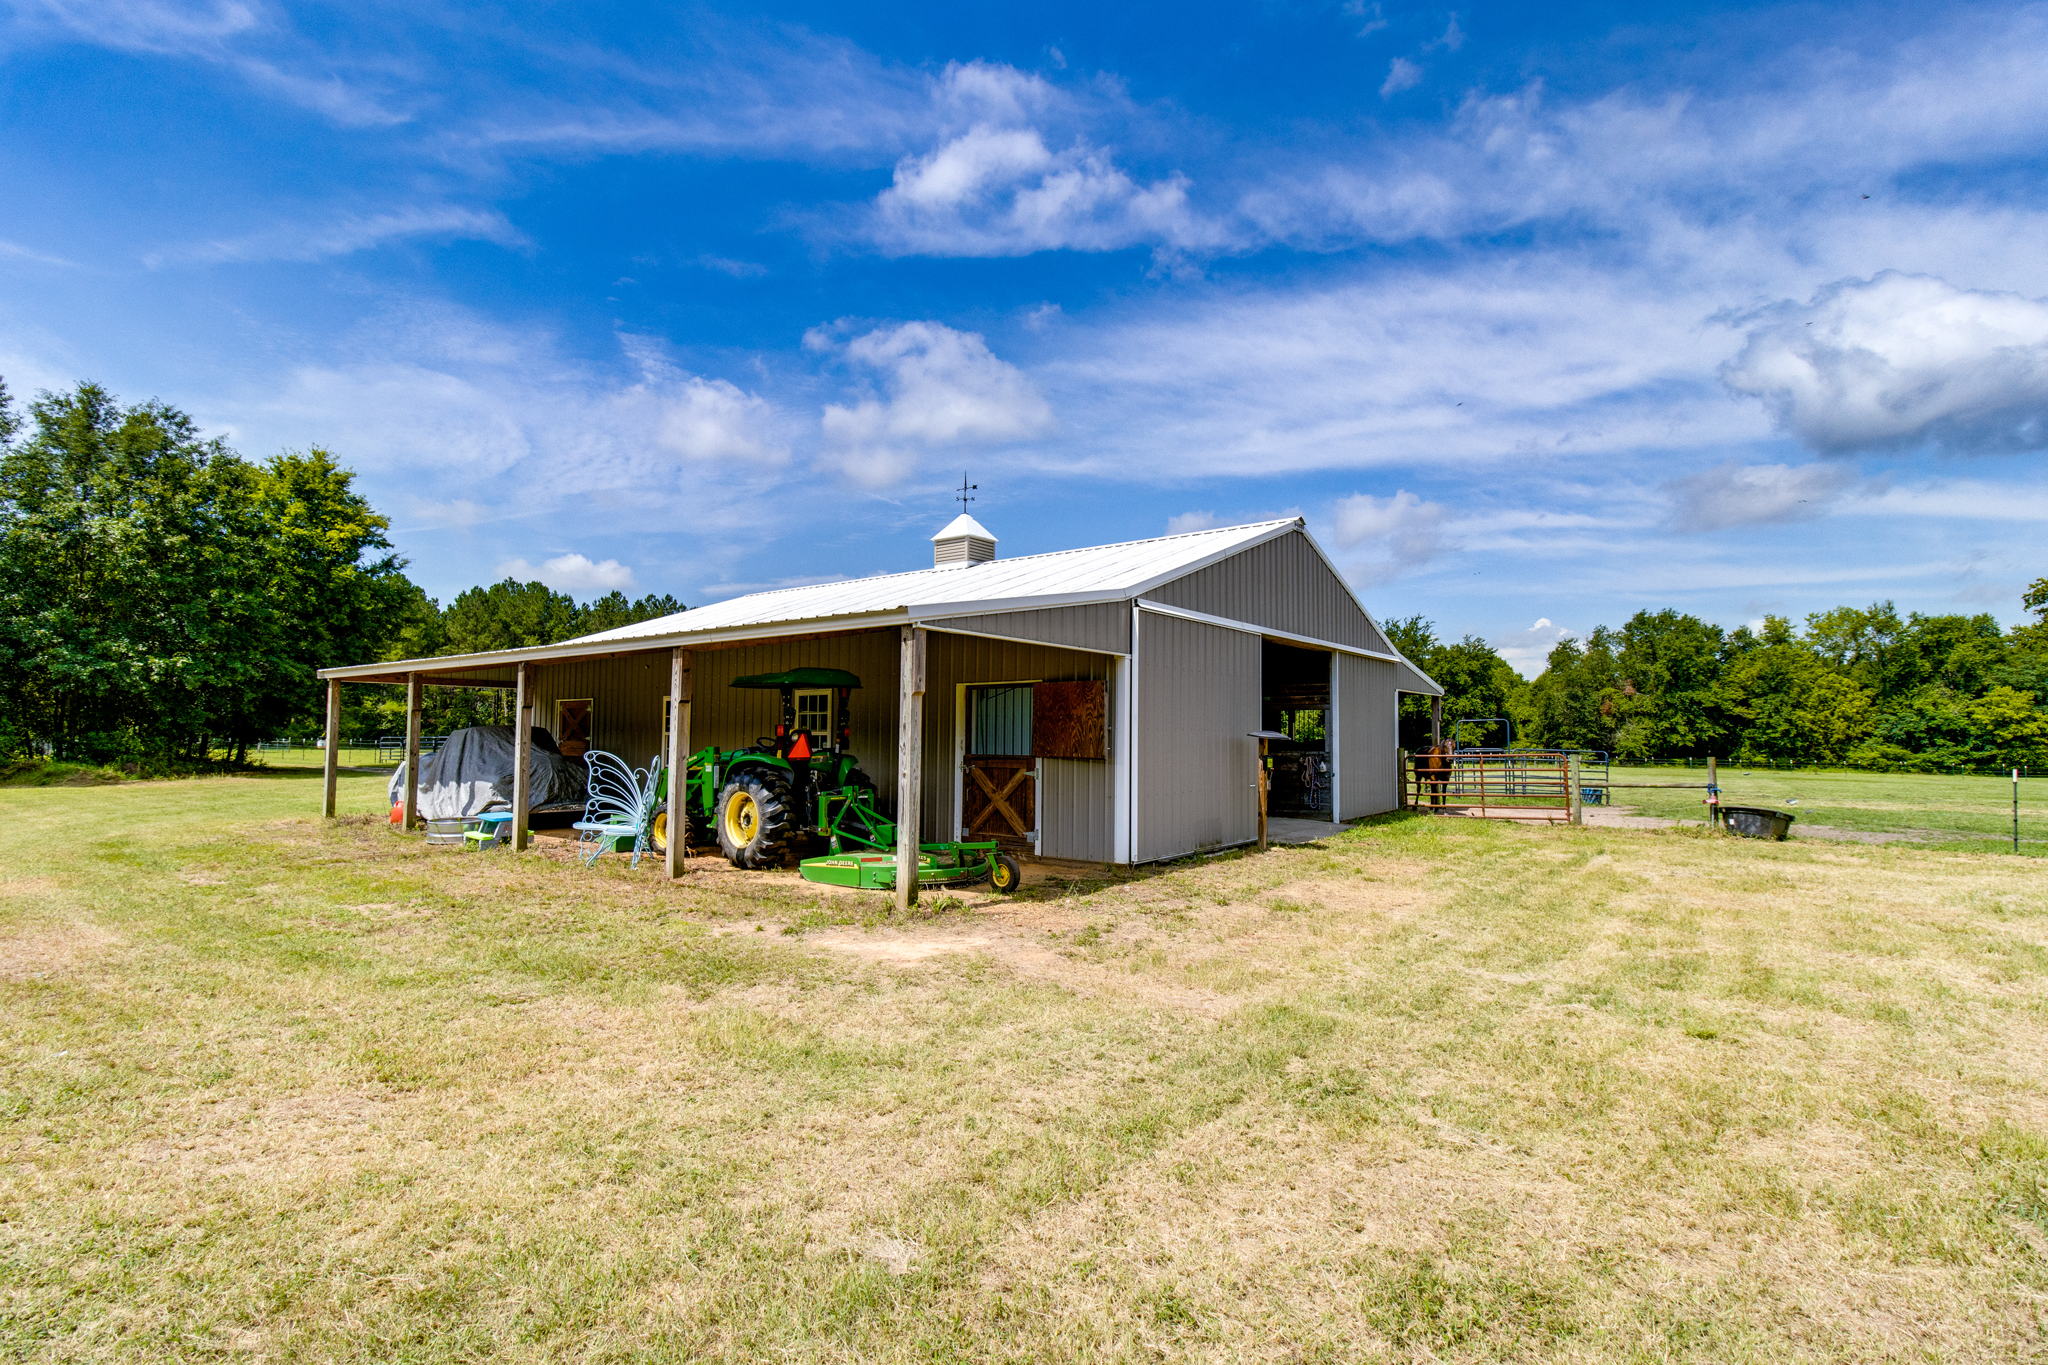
(1098, 625)
(1282, 585)
(626, 696)
(1076, 797)
(1367, 707)
(1198, 702)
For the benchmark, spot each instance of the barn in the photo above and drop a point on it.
(1094, 705)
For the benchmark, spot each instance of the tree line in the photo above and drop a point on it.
(1857, 686)
(162, 597)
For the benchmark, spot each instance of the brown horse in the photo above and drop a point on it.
(1433, 773)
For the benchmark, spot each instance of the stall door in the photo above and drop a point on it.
(999, 786)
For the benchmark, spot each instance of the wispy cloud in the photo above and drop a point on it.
(344, 235)
(1732, 494)
(14, 251)
(243, 37)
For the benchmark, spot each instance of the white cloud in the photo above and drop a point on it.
(1402, 74)
(1899, 361)
(1732, 494)
(344, 235)
(997, 191)
(1382, 538)
(1182, 523)
(1525, 650)
(571, 573)
(938, 389)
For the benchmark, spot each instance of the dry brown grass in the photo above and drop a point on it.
(1432, 1091)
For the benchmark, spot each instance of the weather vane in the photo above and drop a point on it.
(965, 493)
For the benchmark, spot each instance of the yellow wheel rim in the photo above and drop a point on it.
(1001, 877)
(742, 819)
(659, 831)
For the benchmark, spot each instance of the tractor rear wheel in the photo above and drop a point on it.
(756, 819)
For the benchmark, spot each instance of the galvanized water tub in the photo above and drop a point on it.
(1757, 822)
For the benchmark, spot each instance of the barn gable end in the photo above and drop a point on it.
(1284, 585)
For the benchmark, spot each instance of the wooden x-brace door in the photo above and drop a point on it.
(999, 799)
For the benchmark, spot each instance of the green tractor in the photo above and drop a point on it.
(802, 785)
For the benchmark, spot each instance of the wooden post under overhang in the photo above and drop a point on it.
(909, 764)
(1436, 720)
(412, 750)
(330, 762)
(677, 761)
(522, 755)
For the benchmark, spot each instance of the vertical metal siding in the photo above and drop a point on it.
(1097, 625)
(625, 699)
(626, 695)
(1198, 701)
(1281, 585)
(1366, 700)
(1076, 797)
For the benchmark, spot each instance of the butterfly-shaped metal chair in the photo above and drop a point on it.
(620, 806)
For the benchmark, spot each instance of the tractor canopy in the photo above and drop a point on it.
(799, 677)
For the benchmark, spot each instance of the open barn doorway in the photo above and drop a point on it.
(1295, 702)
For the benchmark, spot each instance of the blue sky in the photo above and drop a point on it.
(1539, 316)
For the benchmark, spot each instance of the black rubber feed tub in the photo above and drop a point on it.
(1755, 822)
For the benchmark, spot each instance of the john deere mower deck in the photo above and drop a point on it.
(803, 784)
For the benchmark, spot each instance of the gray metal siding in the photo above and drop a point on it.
(626, 695)
(1197, 702)
(1366, 702)
(1097, 625)
(1076, 797)
(1282, 585)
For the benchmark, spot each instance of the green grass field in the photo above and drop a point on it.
(1955, 812)
(1435, 1090)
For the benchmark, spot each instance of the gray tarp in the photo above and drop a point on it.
(473, 769)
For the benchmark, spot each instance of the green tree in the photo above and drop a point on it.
(1791, 706)
(1571, 704)
(1476, 680)
(1667, 702)
(157, 590)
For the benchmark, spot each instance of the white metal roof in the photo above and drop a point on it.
(964, 525)
(1095, 573)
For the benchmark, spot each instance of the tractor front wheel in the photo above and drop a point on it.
(697, 835)
(755, 817)
(1006, 874)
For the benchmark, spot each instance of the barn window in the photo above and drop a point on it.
(999, 720)
(814, 711)
(572, 726)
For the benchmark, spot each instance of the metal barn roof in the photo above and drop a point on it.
(1030, 580)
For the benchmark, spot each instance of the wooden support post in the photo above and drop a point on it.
(1405, 780)
(909, 764)
(1436, 721)
(677, 760)
(1573, 774)
(522, 755)
(331, 760)
(1262, 793)
(1713, 791)
(412, 751)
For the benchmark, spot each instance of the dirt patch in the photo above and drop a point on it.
(1022, 956)
(27, 888)
(32, 951)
